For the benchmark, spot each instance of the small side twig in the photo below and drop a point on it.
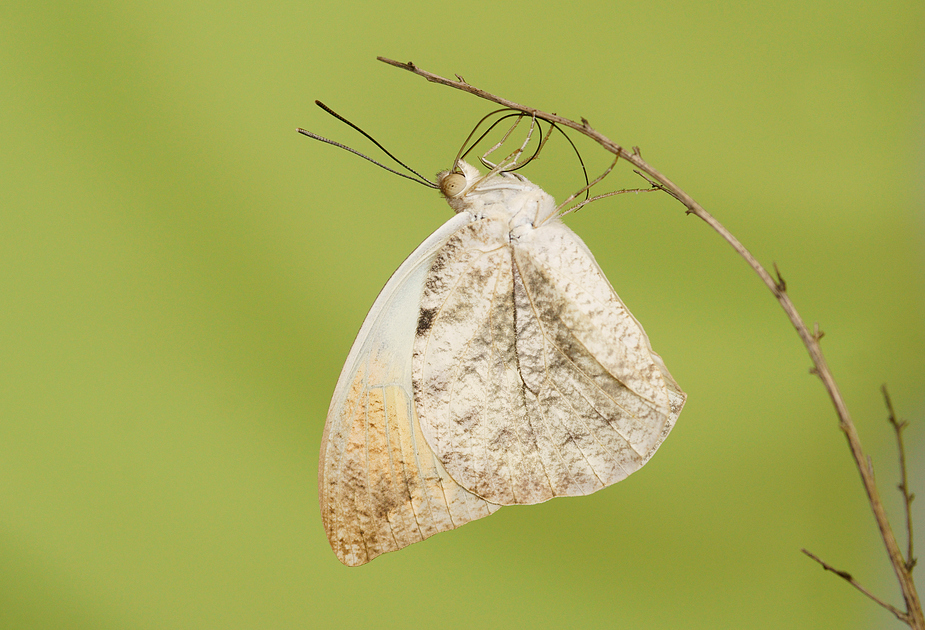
(908, 497)
(848, 578)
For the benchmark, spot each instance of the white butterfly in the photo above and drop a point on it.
(496, 367)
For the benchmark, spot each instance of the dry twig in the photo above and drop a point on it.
(848, 578)
(913, 615)
(908, 497)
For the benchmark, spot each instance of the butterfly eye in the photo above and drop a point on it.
(453, 184)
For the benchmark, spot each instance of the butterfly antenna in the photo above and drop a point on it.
(584, 169)
(417, 176)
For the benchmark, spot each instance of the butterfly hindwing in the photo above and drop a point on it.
(380, 486)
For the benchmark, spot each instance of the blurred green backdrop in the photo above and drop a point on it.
(182, 276)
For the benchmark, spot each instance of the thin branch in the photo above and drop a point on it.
(850, 579)
(810, 339)
(908, 497)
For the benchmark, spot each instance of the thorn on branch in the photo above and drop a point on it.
(585, 123)
(780, 283)
(461, 80)
(637, 152)
(817, 333)
(842, 574)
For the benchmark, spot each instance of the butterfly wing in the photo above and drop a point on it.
(532, 379)
(380, 486)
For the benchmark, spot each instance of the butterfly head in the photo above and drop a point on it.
(452, 184)
(455, 184)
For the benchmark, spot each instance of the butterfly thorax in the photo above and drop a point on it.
(506, 197)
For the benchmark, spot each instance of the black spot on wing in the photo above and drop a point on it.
(425, 320)
(440, 261)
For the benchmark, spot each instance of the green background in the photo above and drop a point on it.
(182, 275)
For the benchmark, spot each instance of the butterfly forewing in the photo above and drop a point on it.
(531, 379)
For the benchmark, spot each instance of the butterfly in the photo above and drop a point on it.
(497, 367)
